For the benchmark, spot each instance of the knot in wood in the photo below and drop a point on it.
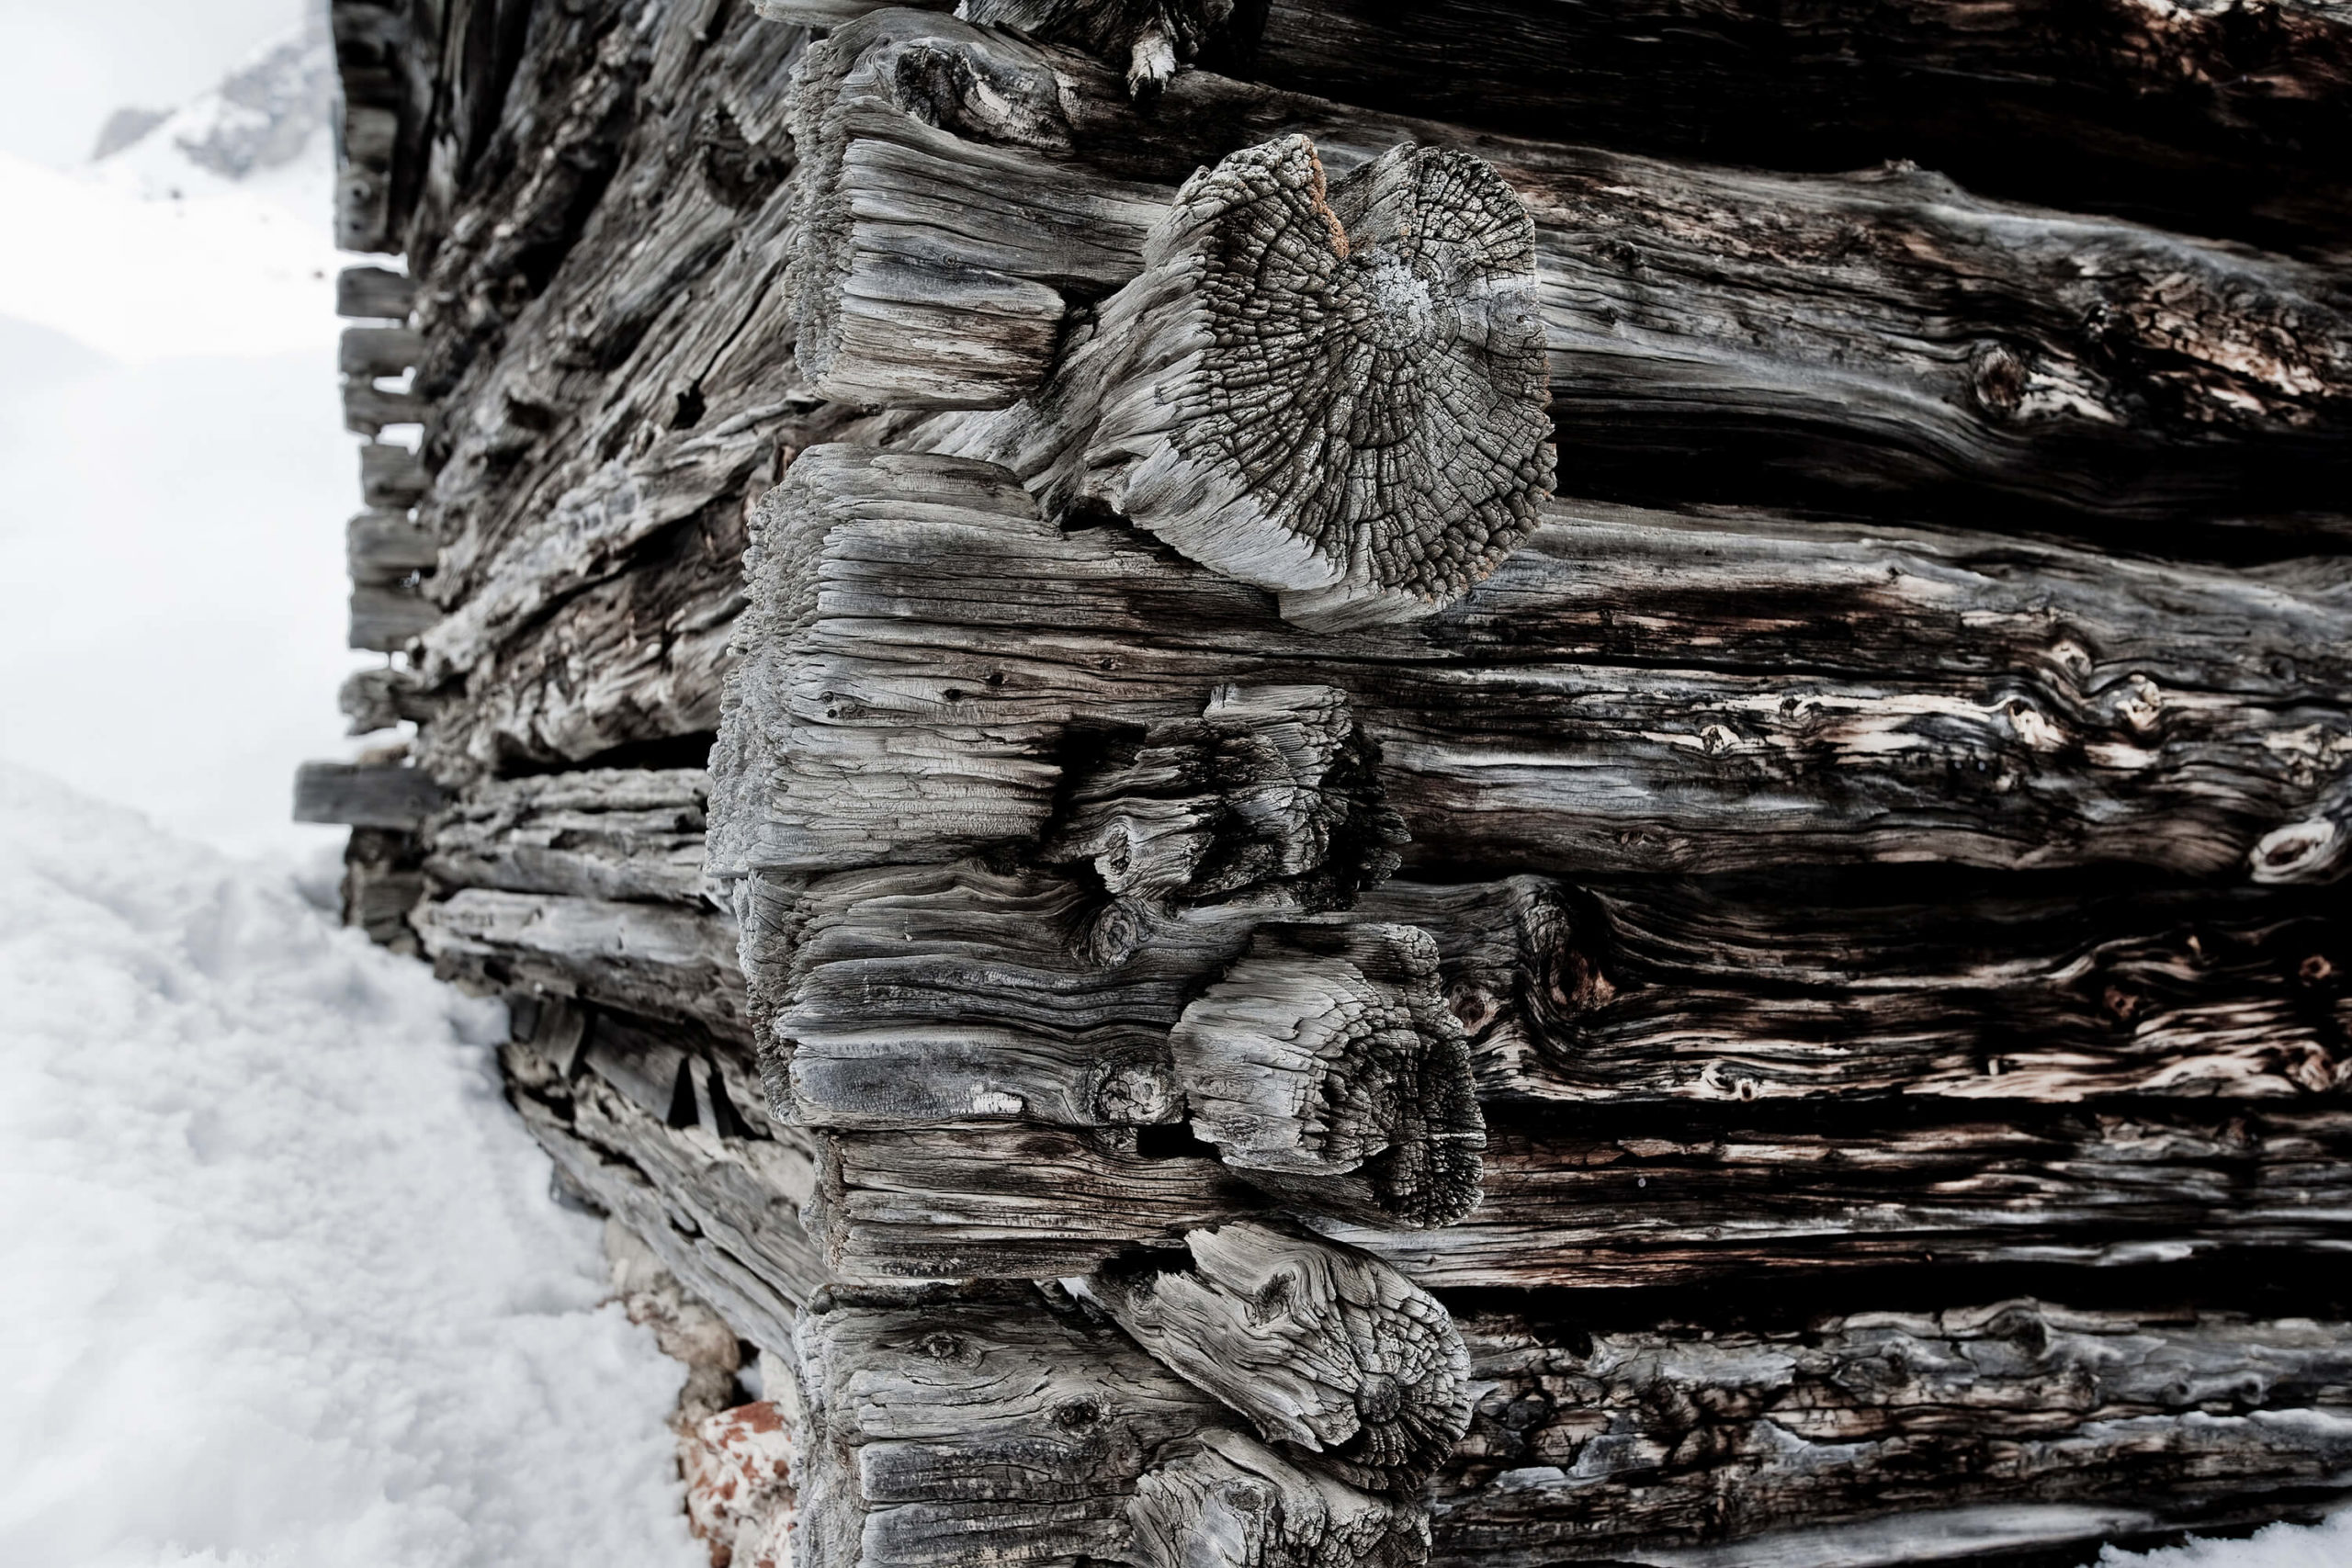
(1222, 1500)
(1350, 399)
(1326, 1068)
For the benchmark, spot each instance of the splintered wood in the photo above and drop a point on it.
(1294, 805)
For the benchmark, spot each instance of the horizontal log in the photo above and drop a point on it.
(956, 993)
(368, 407)
(385, 547)
(716, 1203)
(962, 1426)
(374, 293)
(367, 353)
(653, 959)
(600, 833)
(2221, 129)
(380, 699)
(390, 475)
(913, 707)
(1645, 1201)
(386, 618)
(365, 794)
(1755, 337)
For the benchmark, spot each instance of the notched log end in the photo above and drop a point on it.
(1222, 1500)
(1337, 394)
(1325, 1350)
(1273, 789)
(1327, 1068)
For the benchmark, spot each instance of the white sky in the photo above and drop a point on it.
(67, 64)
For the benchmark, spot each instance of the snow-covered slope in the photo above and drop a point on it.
(279, 1279)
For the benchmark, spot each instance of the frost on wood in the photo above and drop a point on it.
(1326, 1068)
(1337, 394)
(1324, 1349)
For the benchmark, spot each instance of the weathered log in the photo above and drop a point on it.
(374, 293)
(1584, 1445)
(1584, 711)
(365, 794)
(1642, 1200)
(603, 833)
(1326, 1066)
(1220, 1500)
(955, 1427)
(385, 547)
(2230, 127)
(1340, 400)
(653, 959)
(368, 407)
(383, 878)
(1713, 335)
(715, 1196)
(380, 699)
(909, 995)
(386, 617)
(368, 353)
(390, 475)
(1326, 1352)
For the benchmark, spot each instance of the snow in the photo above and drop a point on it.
(282, 1281)
(2327, 1545)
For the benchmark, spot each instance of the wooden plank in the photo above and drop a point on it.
(367, 353)
(604, 833)
(391, 477)
(386, 618)
(654, 959)
(365, 794)
(387, 547)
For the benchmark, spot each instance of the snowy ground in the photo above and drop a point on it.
(282, 1283)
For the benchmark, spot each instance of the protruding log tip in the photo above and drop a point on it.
(1272, 789)
(1325, 1349)
(1327, 1068)
(1222, 1500)
(1344, 394)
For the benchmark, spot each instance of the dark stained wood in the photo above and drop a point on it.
(374, 293)
(365, 794)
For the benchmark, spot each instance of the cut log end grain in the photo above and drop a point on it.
(1328, 1069)
(1220, 1500)
(1337, 393)
(1327, 1350)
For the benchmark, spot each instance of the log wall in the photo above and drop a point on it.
(1319, 784)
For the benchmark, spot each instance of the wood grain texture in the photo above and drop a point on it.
(1620, 1201)
(1713, 335)
(374, 293)
(655, 959)
(2220, 120)
(1327, 1352)
(916, 659)
(604, 833)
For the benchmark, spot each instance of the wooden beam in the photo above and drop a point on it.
(388, 547)
(630, 834)
(391, 477)
(1757, 337)
(365, 794)
(374, 293)
(386, 618)
(653, 959)
(917, 707)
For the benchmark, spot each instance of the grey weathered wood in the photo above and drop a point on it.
(1788, 337)
(383, 878)
(1221, 1500)
(1325, 1066)
(388, 547)
(606, 833)
(374, 293)
(718, 1204)
(914, 708)
(2229, 125)
(910, 994)
(365, 794)
(961, 1427)
(386, 617)
(368, 353)
(1631, 1445)
(380, 699)
(655, 959)
(1616, 1201)
(368, 407)
(1325, 1350)
(391, 476)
